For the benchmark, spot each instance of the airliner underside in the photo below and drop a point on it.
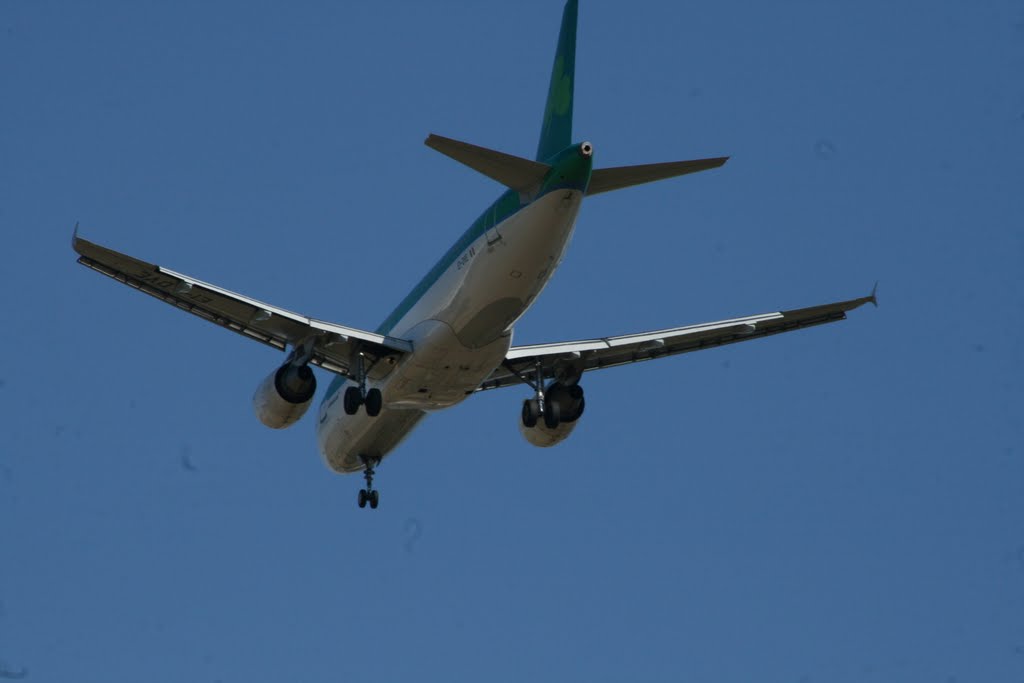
(452, 335)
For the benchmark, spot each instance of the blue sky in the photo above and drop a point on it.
(839, 504)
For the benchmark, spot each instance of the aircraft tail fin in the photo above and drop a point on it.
(556, 128)
(511, 171)
(608, 179)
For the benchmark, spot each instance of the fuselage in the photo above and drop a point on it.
(459, 318)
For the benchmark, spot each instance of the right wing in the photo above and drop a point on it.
(566, 361)
(332, 347)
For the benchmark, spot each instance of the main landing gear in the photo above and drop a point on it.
(369, 494)
(537, 407)
(533, 410)
(356, 396)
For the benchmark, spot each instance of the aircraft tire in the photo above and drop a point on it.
(374, 499)
(374, 402)
(552, 415)
(530, 413)
(362, 498)
(352, 400)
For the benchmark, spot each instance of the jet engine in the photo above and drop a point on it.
(564, 405)
(284, 395)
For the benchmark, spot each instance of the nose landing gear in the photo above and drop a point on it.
(369, 494)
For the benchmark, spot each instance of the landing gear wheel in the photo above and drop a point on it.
(552, 414)
(374, 401)
(374, 499)
(531, 411)
(353, 399)
(363, 497)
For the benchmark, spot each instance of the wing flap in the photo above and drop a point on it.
(570, 359)
(333, 347)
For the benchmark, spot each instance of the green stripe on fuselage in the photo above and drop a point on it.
(505, 206)
(569, 170)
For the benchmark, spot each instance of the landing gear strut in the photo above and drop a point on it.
(356, 396)
(534, 408)
(369, 494)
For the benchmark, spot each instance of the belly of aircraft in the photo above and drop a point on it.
(348, 437)
(460, 330)
(514, 262)
(438, 374)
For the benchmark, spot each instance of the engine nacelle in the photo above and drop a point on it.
(284, 396)
(544, 437)
(570, 407)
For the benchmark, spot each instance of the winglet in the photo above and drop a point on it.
(874, 295)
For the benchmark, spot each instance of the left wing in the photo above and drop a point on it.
(566, 361)
(332, 347)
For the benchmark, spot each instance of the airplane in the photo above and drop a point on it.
(451, 336)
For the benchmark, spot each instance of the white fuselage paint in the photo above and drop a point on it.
(461, 329)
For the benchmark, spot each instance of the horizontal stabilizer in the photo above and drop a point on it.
(608, 179)
(511, 171)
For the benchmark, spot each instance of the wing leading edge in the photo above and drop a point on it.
(566, 361)
(332, 347)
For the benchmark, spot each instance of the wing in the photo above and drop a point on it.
(566, 361)
(332, 347)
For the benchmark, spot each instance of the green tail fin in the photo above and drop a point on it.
(556, 130)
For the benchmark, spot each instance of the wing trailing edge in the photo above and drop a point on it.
(333, 345)
(573, 358)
